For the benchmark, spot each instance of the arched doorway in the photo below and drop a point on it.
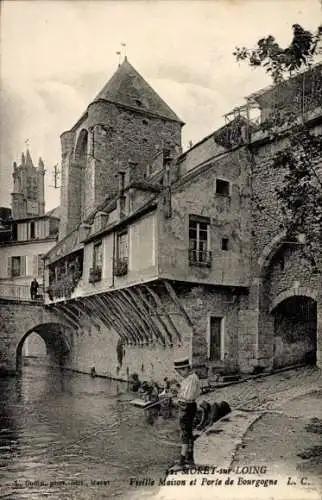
(55, 340)
(295, 331)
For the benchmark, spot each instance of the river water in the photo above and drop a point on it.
(62, 435)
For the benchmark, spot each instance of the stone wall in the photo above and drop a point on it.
(290, 269)
(268, 279)
(228, 215)
(115, 136)
(99, 349)
(17, 320)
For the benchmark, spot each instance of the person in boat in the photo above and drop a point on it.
(188, 393)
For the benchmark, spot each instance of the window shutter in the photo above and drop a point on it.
(35, 266)
(10, 267)
(23, 265)
(40, 265)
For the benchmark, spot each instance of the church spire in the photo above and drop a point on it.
(29, 162)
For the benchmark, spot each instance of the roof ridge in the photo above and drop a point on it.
(127, 87)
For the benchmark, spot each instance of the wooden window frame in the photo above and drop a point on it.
(198, 256)
(222, 336)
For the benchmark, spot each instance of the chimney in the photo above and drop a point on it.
(132, 171)
(122, 198)
(121, 182)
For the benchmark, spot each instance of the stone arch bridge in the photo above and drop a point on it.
(20, 319)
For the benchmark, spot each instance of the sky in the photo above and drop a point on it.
(57, 55)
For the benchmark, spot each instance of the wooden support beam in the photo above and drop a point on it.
(159, 305)
(85, 311)
(142, 320)
(124, 326)
(75, 310)
(109, 322)
(142, 303)
(61, 313)
(88, 303)
(91, 304)
(140, 306)
(119, 317)
(62, 309)
(72, 313)
(176, 300)
(160, 319)
(133, 320)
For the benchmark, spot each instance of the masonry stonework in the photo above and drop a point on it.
(283, 268)
(249, 283)
(18, 320)
(103, 141)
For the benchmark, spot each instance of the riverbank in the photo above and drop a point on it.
(265, 449)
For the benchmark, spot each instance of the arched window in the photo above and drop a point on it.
(80, 165)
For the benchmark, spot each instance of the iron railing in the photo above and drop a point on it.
(12, 291)
(200, 258)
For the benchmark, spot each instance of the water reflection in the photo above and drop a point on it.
(58, 427)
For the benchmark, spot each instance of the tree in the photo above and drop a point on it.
(300, 196)
(301, 53)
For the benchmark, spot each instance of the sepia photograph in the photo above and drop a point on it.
(161, 249)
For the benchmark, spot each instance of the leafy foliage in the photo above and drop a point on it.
(300, 195)
(276, 60)
(301, 191)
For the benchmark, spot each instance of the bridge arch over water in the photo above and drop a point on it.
(19, 320)
(57, 343)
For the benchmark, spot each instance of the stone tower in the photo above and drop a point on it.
(127, 121)
(28, 196)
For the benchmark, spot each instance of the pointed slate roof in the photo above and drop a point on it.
(127, 87)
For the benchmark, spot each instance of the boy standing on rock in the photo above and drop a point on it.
(188, 393)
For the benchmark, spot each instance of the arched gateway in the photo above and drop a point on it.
(290, 306)
(295, 331)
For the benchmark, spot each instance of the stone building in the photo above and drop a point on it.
(127, 121)
(5, 229)
(28, 196)
(163, 253)
(30, 232)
